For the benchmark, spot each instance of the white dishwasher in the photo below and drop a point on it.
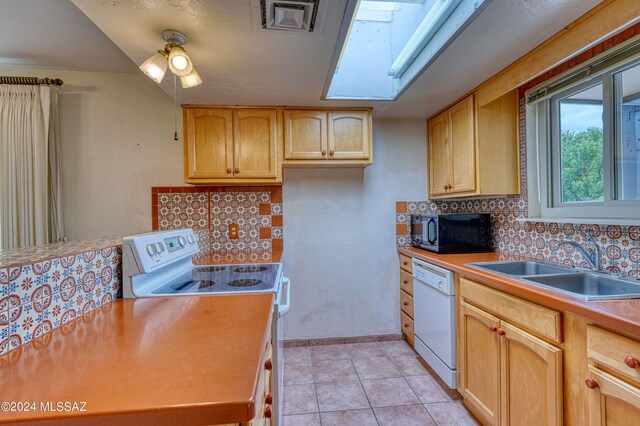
(435, 318)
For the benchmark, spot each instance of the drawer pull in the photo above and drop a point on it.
(268, 399)
(405, 263)
(406, 325)
(267, 412)
(493, 328)
(405, 282)
(632, 362)
(405, 303)
(268, 365)
(501, 332)
(591, 384)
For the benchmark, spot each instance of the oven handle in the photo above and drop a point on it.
(283, 308)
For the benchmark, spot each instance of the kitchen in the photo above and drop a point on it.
(133, 160)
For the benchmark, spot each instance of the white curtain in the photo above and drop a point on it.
(25, 172)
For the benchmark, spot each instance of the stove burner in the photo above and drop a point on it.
(206, 284)
(210, 269)
(244, 283)
(244, 269)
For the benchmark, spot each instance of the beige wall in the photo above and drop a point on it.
(116, 135)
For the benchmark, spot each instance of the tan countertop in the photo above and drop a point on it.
(170, 360)
(622, 315)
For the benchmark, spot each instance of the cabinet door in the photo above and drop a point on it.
(439, 154)
(349, 135)
(305, 135)
(255, 144)
(479, 362)
(531, 379)
(613, 402)
(209, 143)
(463, 147)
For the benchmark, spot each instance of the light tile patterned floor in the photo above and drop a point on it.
(363, 384)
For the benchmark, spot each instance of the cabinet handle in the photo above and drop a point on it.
(501, 332)
(446, 187)
(632, 362)
(405, 263)
(591, 384)
(268, 365)
(268, 399)
(405, 303)
(493, 329)
(229, 170)
(267, 412)
(405, 282)
(406, 325)
(236, 170)
(331, 152)
(324, 152)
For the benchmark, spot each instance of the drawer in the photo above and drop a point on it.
(406, 281)
(406, 303)
(538, 319)
(406, 323)
(406, 263)
(613, 351)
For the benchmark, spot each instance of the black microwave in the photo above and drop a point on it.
(452, 233)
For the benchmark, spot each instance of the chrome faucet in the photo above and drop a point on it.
(592, 256)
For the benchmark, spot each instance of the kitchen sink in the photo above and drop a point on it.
(522, 268)
(565, 279)
(590, 286)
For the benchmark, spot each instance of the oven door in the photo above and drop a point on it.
(281, 308)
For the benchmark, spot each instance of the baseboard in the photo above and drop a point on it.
(342, 340)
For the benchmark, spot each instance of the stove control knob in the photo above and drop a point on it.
(182, 241)
(191, 239)
(152, 249)
(159, 247)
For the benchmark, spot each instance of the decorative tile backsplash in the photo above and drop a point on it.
(38, 297)
(518, 238)
(210, 210)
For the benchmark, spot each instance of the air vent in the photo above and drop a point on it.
(289, 15)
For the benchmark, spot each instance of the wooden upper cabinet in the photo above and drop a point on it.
(208, 144)
(305, 135)
(479, 362)
(255, 152)
(475, 150)
(463, 148)
(531, 379)
(327, 138)
(232, 145)
(349, 137)
(439, 150)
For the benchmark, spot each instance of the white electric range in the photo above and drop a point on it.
(160, 264)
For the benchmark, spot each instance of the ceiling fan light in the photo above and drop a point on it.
(190, 80)
(155, 67)
(179, 62)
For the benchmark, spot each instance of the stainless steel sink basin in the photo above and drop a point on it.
(578, 283)
(522, 268)
(590, 286)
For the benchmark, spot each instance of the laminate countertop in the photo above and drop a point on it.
(622, 315)
(170, 360)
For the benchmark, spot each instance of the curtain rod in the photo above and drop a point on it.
(33, 81)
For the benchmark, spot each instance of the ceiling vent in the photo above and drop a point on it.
(289, 15)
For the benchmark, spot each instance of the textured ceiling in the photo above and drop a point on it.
(242, 64)
(55, 34)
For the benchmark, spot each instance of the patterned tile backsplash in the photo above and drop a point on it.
(518, 238)
(210, 210)
(39, 296)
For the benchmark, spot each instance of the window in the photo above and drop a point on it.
(588, 132)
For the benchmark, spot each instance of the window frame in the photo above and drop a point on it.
(545, 175)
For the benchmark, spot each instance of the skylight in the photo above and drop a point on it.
(389, 43)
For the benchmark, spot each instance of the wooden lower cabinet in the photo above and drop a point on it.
(479, 363)
(612, 402)
(406, 298)
(506, 375)
(530, 379)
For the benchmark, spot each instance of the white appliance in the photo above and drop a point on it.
(434, 307)
(160, 264)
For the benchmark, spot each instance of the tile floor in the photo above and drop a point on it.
(363, 384)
